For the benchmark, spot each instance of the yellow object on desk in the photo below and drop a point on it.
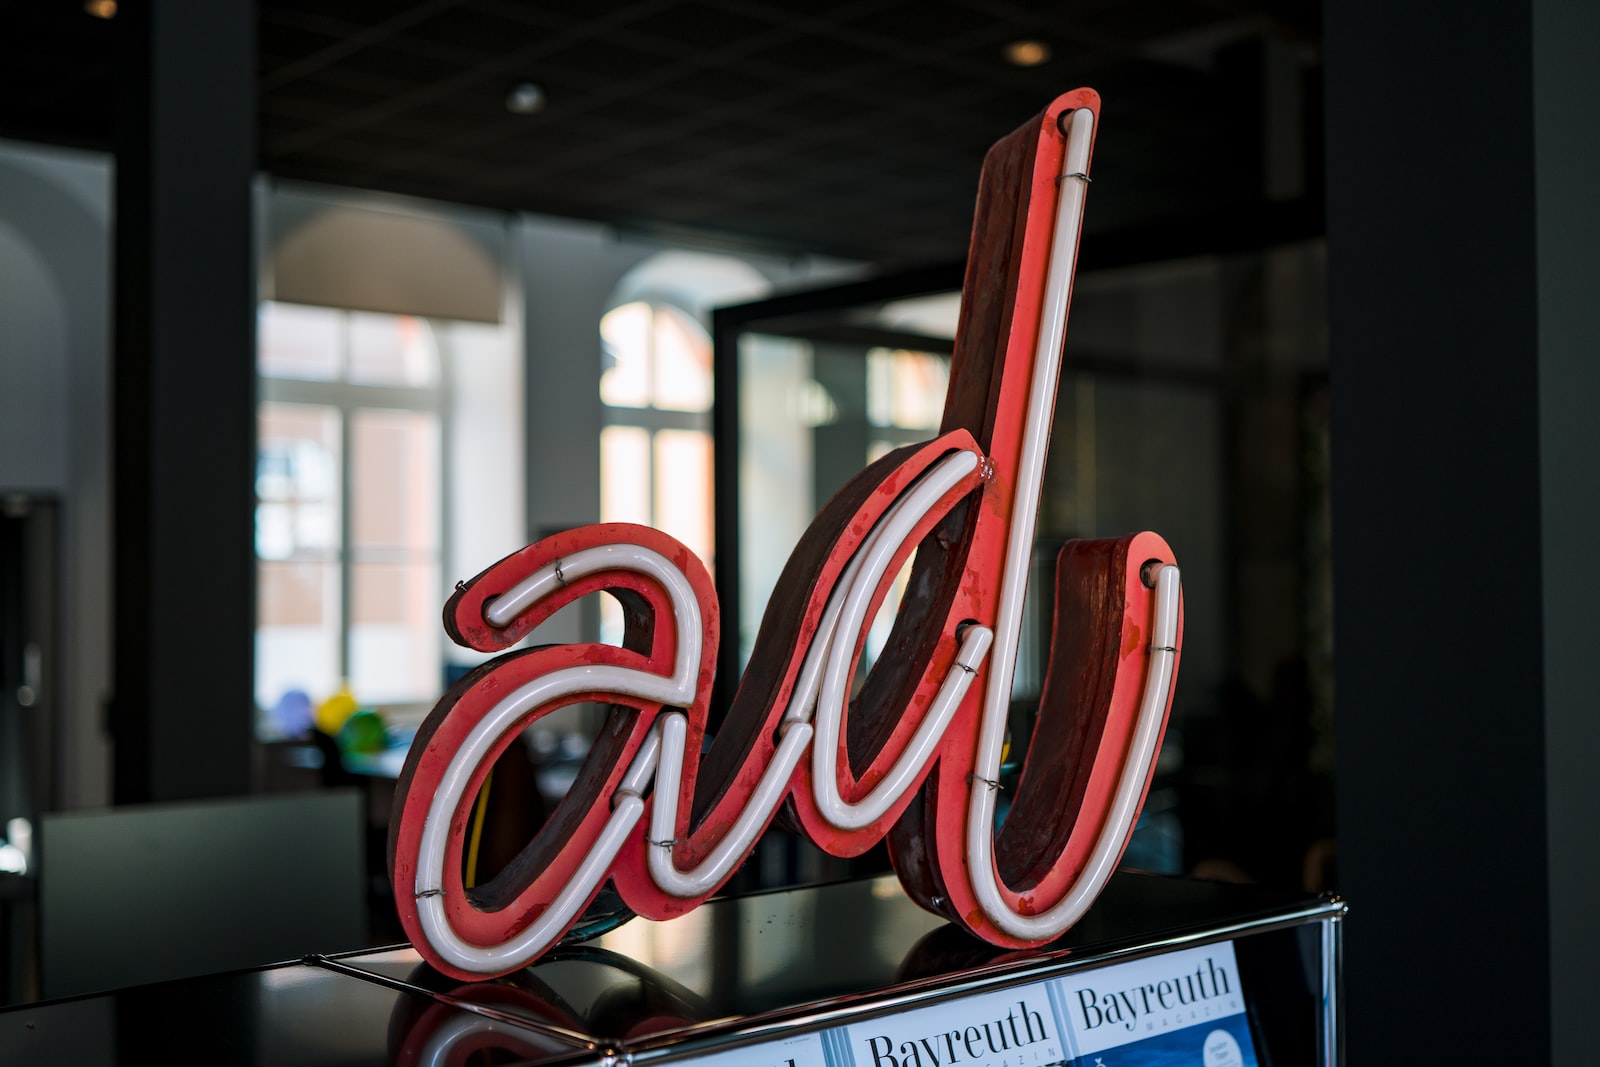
(332, 713)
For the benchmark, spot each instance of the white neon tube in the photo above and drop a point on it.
(551, 923)
(803, 699)
(1014, 581)
(887, 537)
(1030, 470)
(957, 680)
(676, 691)
(834, 641)
(643, 767)
(734, 844)
(1125, 800)
(620, 556)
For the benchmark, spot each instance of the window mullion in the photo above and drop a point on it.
(651, 371)
(444, 396)
(346, 544)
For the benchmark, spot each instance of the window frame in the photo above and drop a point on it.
(348, 399)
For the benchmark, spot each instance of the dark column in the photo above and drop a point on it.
(184, 406)
(1461, 166)
(1567, 146)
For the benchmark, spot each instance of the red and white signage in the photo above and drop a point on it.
(915, 757)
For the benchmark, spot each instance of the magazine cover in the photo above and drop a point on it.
(1179, 1009)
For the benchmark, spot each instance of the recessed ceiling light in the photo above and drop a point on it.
(1027, 53)
(101, 9)
(525, 98)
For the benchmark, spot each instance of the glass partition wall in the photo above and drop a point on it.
(1192, 402)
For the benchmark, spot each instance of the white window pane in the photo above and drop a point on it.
(611, 621)
(625, 354)
(683, 488)
(624, 497)
(297, 481)
(297, 630)
(682, 362)
(274, 531)
(296, 341)
(625, 475)
(922, 382)
(394, 479)
(396, 642)
(392, 350)
(906, 389)
(776, 474)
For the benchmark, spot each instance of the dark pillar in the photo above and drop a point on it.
(1463, 151)
(184, 407)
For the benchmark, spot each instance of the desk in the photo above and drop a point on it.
(805, 970)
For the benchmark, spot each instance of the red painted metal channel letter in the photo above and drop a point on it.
(914, 756)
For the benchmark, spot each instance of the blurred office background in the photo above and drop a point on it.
(310, 310)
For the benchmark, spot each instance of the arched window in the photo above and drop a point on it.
(655, 392)
(655, 446)
(655, 449)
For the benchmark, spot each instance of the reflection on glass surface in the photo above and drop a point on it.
(765, 951)
(482, 1023)
(812, 416)
(744, 972)
(73, 1032)
(779, 404)
(654, 944)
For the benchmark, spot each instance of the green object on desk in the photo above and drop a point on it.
(363, 732)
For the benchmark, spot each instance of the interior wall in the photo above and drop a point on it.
(559, 277)
(55, 418)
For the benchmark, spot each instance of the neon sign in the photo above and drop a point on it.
(915, 756)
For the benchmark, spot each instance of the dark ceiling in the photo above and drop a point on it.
(852, 128)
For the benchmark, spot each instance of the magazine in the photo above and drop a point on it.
(1178, 1009)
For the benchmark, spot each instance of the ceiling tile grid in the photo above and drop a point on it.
(851, 128)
